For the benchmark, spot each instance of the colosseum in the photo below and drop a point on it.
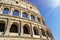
(21, 20)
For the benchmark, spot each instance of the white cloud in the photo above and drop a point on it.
(55, 3)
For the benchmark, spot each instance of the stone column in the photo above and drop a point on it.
(31, 31)
(11, 11)
(36, 18)
(41, 20)
(28, 15)
(46, 34)
(8, 27)
(5, 27)
(21, 14)
(21, 28)
(40, 33)
(1, 10)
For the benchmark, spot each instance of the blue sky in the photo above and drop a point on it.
(50, 10)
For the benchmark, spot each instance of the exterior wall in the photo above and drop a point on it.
(20, 3)
(9, 19)
(9, 38)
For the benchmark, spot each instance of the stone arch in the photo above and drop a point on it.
(51, 35)
(38, 19)
(43, 22)
(32, 17)
(25, 15)
(26, 29)
(6, 11)
(43, 32)
(14, 28)
(15, 13)
(48, 34)
(36, 31)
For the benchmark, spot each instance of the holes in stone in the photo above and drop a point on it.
(30, 7)
(16, 2)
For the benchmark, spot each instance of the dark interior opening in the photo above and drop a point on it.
(36, 31)
(14, 28)
(26, 30)
(43, 32)
(48, 33)
(2, 27)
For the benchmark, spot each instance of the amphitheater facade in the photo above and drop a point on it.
(21, 20)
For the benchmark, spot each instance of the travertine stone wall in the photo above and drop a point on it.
(20, 3)
(8, 38)
(9, 19)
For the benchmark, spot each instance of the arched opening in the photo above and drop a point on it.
(14, 28)
(38, 19)
(32, 17)
(5, 11)
(36, 32)
(51, 35)
(26, 29)
(43, 22)
(48, 33)
(2, 26)
(15, 13)
(24, 15)
(43, 32)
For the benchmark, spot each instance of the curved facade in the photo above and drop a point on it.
(21, 20)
